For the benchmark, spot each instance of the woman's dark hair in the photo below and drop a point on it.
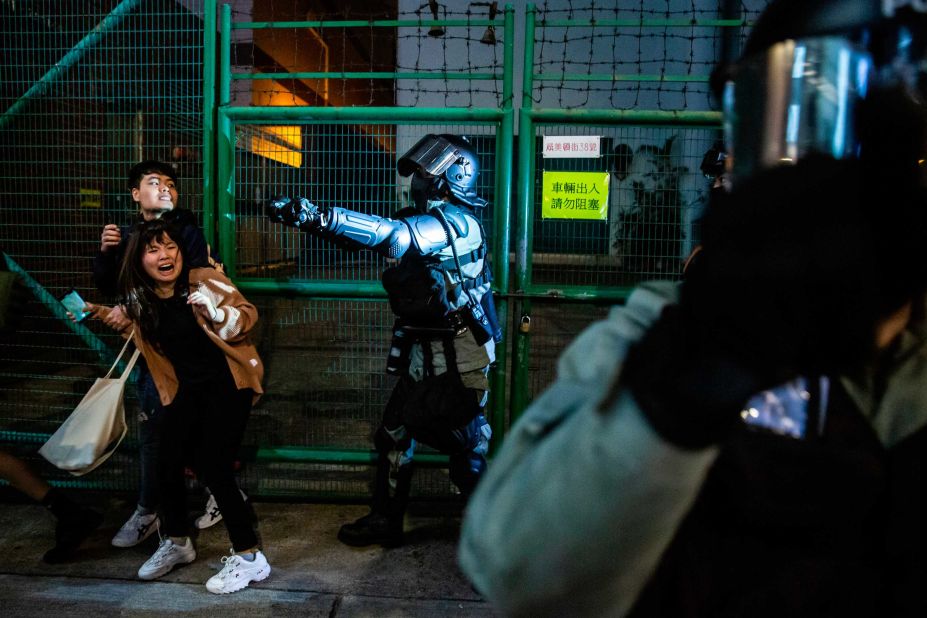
(137, 287)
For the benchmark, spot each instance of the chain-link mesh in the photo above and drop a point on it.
(358, 56)
(344, 165)
(650, 55)
(656, 196)
(86, 90)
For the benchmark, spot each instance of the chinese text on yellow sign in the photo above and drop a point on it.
(575, 195)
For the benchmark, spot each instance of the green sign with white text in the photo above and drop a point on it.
(575, 195)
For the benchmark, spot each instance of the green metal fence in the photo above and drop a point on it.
(86, 90)
(304, 106)
(567, 271)
(326, 368)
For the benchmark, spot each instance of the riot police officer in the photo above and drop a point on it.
(445, 330)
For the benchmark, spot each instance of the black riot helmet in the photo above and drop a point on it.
(845, 78)
(442, 167)
(713, 161)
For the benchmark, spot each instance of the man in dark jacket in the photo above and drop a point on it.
(153, 186)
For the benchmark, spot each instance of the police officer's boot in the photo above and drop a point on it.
(383, 525)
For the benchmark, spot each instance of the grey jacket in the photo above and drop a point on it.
(576, 510)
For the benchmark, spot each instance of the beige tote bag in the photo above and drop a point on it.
(96, 426)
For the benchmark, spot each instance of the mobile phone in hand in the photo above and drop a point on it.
(75, 304)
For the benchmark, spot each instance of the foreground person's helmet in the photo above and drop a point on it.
(846, 78)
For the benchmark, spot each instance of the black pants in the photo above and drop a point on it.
(205, 424)
(444, 414)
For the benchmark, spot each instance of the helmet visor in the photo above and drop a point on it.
(431, 156)
(859, 93)
(797, 97)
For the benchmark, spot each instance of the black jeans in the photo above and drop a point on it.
(149, 438)
(205, 424)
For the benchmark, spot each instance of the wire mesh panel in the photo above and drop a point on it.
(649, 58)
(370, 55)
(469, 47)
(642, 74)
(649, 55)
(553, 327)
(326, 385)
(320, 64)
(345, 165)
(367, 54)
(655, 195)
(86, 90)
(325, 388)
(324, 382)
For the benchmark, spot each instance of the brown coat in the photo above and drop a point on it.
(231, 335)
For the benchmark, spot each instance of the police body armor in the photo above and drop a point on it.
(442, 282)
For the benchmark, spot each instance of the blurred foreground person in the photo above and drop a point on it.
(750, 442)
(747, 443)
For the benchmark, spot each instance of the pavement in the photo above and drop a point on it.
(312, 573)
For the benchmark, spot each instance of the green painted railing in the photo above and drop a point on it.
(54, 306)
(276, 454)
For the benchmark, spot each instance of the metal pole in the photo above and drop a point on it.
(320, 289)
(523, 222)
(225, 195)
(428, 115)
(57, 309)
(501, 224)
(628, 117)
(209, 120)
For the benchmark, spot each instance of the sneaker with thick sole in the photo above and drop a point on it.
(168, 555)
(237, 573)
(137, 528)
(70, 533)
(372, 529)
(213, 515)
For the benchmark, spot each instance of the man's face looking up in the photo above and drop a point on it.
(156, 194)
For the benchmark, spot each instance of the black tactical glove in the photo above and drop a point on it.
(798, 265)
(297, 212)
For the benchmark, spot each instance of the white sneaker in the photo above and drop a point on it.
(212, 516)
(169, 554)
(136, 529)
(238, 573)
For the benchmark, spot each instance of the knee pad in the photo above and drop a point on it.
(466, 470)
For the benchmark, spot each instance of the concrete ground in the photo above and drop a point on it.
(312, 573)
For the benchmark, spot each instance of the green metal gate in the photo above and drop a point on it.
(92, 92)
(87, 89)
(325, 372)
